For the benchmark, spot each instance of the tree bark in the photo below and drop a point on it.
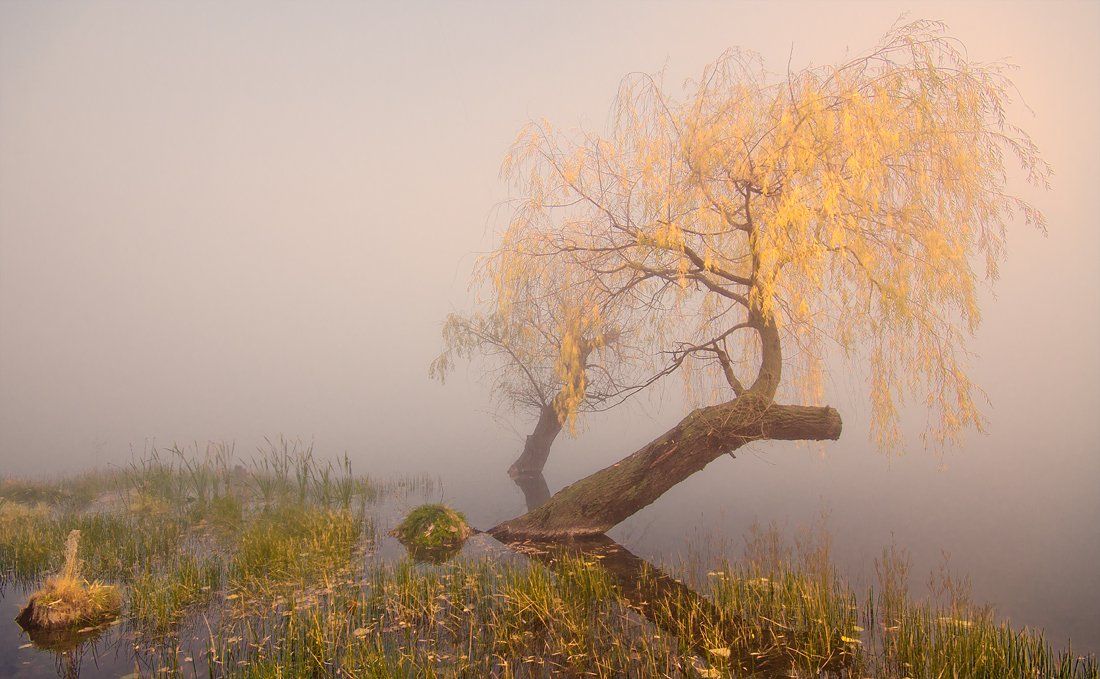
(601, 500)
(537, 446)
(535, 490)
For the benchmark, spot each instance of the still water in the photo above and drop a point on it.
(1028, 551)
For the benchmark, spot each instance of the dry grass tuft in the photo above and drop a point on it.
(68, 600)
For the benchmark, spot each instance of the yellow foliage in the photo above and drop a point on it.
(846, 205)
(544, 328)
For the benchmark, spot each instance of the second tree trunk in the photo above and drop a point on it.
(536, 449)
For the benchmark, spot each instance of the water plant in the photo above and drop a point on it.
(160, 598)
(294, 544)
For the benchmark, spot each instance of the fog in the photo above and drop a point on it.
(226, 222)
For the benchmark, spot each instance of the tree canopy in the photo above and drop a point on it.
(755, 223)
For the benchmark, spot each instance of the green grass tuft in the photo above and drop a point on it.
(433, 531)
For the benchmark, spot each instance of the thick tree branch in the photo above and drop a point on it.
(598, 502)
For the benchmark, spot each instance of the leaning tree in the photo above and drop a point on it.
(765, 224)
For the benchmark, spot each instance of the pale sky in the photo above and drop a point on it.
(223, 221)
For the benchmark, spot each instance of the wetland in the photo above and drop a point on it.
(280, 566)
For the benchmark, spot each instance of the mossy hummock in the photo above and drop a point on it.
(433, 531)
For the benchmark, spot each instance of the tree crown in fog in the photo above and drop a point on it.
(854, 206)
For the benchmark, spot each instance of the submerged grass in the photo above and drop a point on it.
(473, 619)
(269, 566)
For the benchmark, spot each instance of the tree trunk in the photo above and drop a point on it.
(601, 500)
(537, 447)
(535, 490)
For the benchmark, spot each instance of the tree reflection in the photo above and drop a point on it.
(670, 605)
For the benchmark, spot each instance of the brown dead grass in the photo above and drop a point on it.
(68, 600)
(63, 602)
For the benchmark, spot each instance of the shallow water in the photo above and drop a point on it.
(106, 656)
(703, 522)
(114, 651)
(1026, 537)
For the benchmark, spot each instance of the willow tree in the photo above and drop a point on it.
(546, 346)
(764, 222)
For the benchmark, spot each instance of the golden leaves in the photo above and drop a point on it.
(845, 203)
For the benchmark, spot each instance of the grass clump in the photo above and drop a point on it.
(146, 505)
(67, 600)
(295, 544)
(433, 532)
(158, 599)
(29, 491)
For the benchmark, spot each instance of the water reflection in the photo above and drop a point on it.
(99, 651)
(667, 603)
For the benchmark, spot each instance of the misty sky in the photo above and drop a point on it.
(230, 221)
(221, 222)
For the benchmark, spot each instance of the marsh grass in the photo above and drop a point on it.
(474, 619)
(30, 492)
(294, 545)
(265, 569)
(160, 598)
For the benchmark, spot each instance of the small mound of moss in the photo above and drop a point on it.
(434, 532)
